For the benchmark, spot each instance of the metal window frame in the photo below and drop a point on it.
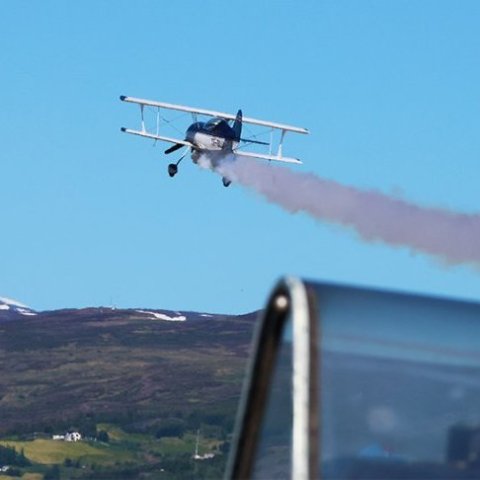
(292, 297)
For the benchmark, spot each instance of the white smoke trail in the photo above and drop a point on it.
(455, 237)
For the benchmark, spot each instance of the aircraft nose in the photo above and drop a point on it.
(191, 130)
(189, 134)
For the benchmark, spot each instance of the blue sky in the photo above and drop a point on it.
(389, 91)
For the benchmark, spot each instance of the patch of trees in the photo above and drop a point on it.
(9, 456)
(182, 467)
(53, 473)
(120, 471)
(212, 425)
(102, 436)
(69, 463)
(14, 472)
(171, 427)
(201, 418)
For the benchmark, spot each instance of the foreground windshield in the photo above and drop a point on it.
(399, 386)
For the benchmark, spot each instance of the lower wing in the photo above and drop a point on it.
(157, 137)
(239, 153)
(267, 157)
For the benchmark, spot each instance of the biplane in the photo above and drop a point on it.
(217, 137)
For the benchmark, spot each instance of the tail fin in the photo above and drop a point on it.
(237, 126)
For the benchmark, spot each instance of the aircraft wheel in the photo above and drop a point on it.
(226, 182)
(172, 169)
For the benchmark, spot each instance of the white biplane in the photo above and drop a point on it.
(216, 137)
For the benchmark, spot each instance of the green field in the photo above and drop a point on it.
(25, 476)
(52, 451)
(125, 456)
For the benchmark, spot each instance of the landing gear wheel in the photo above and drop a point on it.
(226, 182)
(172, 169)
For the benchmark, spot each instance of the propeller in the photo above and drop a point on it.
(173, 148)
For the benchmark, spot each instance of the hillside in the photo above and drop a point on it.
(62, 364)
(137, 370)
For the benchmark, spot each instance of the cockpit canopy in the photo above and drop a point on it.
(213, 123)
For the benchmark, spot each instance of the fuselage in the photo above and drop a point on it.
(214, 135)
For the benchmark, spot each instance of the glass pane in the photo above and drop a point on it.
(399, 386)
(273, 453)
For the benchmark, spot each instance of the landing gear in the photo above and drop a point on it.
(226, 182)
(172, 169)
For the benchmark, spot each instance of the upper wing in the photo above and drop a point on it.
(212, 113)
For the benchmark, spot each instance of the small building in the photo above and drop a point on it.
(73, 437)
(205, 456)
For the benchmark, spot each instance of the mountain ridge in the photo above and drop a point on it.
(10, 308)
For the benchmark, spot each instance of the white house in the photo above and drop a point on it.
(205, 456)
(73, 437)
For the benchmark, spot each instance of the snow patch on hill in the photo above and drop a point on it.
(13, 303)
(163, 316)
(12, 306)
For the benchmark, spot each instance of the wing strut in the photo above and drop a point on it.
(280, 145)
(143, 119)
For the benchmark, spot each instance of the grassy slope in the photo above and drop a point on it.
(25, 476)
(52, 451)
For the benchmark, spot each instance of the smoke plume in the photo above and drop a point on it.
(455, 237)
